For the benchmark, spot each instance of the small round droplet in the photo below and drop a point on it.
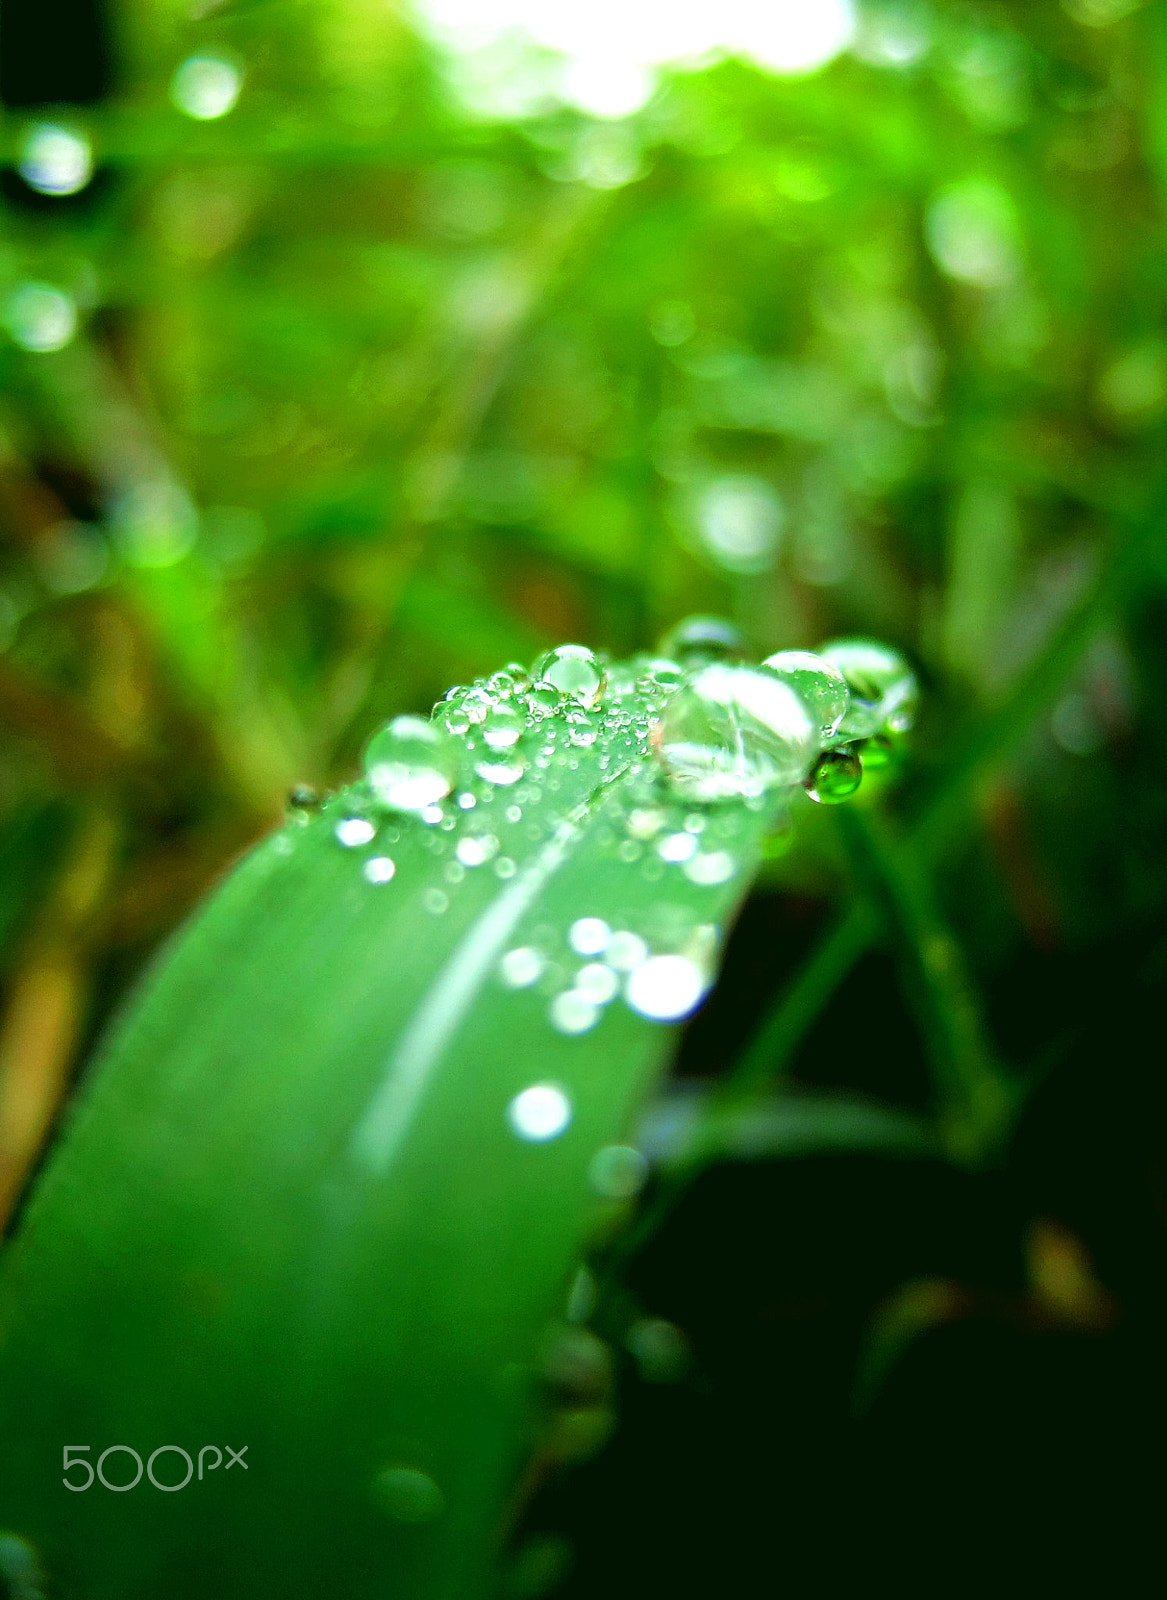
(379, 869)
(540, 1112)
(408, 1494)
(882, 684)
(410, 764)
(355, 831)
(618, 1172)
(303, 797)
(713, 866)
(645, 822)
(475, 848)
(665, 988)
(573, 1012)
(574, 670)
(626, 951)
(521, 967)
(817, 682)
(597, 982)
(39, 316)
(677, 847)
(836, 776)
(700, 639)
(435, 901)
(588, 936)
(735, 733)
(502, 770)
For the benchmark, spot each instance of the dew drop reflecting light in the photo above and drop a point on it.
(626, 951)
(206, 86)
(714, 866)
(540, 1113)
(521, 967)
(573, 1012)
(665, 988)
(597, 982)
(410, 764)
(40, 317)
(354, 831)
(55, 160)
(588, 936)
(379, 869)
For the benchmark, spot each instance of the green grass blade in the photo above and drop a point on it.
(292, 1211)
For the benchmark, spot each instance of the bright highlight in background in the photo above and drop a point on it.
(540, 1112)
(206, 86)
(40, 317)
(611, 48)
(55, 160)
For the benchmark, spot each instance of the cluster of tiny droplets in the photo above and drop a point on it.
(700, 739)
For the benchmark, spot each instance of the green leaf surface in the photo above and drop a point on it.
(295, 1210)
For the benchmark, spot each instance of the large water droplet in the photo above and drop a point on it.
(572, 669)
(665, 988)
(836, 776)
(883, 686)
(714, 866)
(206, 86)
(735, 733)
(55, 160)
(702, 639)
(502, 769)
(411, 764)
(475, 848)
(818, 683)
(540, 1112)
(503, 727)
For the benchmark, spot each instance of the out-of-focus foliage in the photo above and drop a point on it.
(314, 407)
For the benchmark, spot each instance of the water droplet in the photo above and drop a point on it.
(467, 801)
(379, 869)
(818, 683)
(735, 733)
(665, 988)
(504, 867)
(354, 831)
(544, 700)
(453, 719)
(883, 686)
(836, 776)
(502, 771)
(573, 1012)
(661, 673)
(503, 727)
(408, 1494)
(582, 732)
(630, 850)
(514, 813)
(435, 901)
(477, 704)
(626, 951)
(206, 86)
(55, 160)
(618, 1172)
(701, 639)
(521, 967)
(589, 936)
(714, 866)
(540, 1112)
(453, 872)
(677, 847)
(433, 815)
(410, 764)
(572, 669)
(303, 797)
(644, 822)
(597, 983)
(39, 316)
(475, 848)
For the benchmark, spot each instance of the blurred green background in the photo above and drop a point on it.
(350, 351)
